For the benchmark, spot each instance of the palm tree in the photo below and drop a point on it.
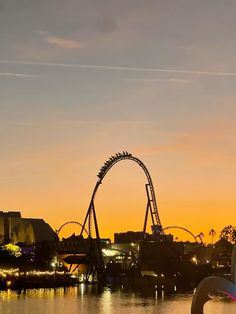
(212, 233)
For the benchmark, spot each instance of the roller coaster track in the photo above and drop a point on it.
(150, 188)
(184, 229)
(68, 223)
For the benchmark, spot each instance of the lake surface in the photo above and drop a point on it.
(83, 299)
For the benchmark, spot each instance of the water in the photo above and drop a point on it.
(84, 300)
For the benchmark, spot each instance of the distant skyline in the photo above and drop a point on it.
(82, 80)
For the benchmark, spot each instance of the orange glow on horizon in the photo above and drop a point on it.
(121, 201)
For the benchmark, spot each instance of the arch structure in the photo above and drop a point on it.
(152, 203)
(68, 223)
(182, 228)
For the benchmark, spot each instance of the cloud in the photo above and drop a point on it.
(150, 80)
(15, 75)
(206, 147)
(69, 44)
(63, 42)
(105, 24)
(76, 123)
(105, 122)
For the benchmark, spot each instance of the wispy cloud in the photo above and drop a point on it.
(64, 43)
(122, 68)
(165, 80)
(75, 123)
(15, 75)
(96, 122)
(206, 147)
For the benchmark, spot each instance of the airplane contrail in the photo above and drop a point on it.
(16, 75)
(119, 68)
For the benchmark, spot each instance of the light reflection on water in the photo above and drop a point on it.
(85, 299)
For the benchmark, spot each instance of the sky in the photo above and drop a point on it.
(83, 79)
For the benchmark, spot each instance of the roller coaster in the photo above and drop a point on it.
(93, 248)
(184, 229)
(69, 223)
(95, 257)
(151, 203)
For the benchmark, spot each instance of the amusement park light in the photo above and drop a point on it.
(150, 273)
(8, 283)
(11, 271)
(13, 249)
(109, 253)
(194, 260)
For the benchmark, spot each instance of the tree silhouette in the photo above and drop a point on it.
(212, 233)
(229, 233)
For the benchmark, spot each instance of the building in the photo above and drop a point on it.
(128, 237)
(219, 254)
(15, 229)
(139, 236)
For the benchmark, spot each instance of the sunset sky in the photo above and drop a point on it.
(82, 80)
